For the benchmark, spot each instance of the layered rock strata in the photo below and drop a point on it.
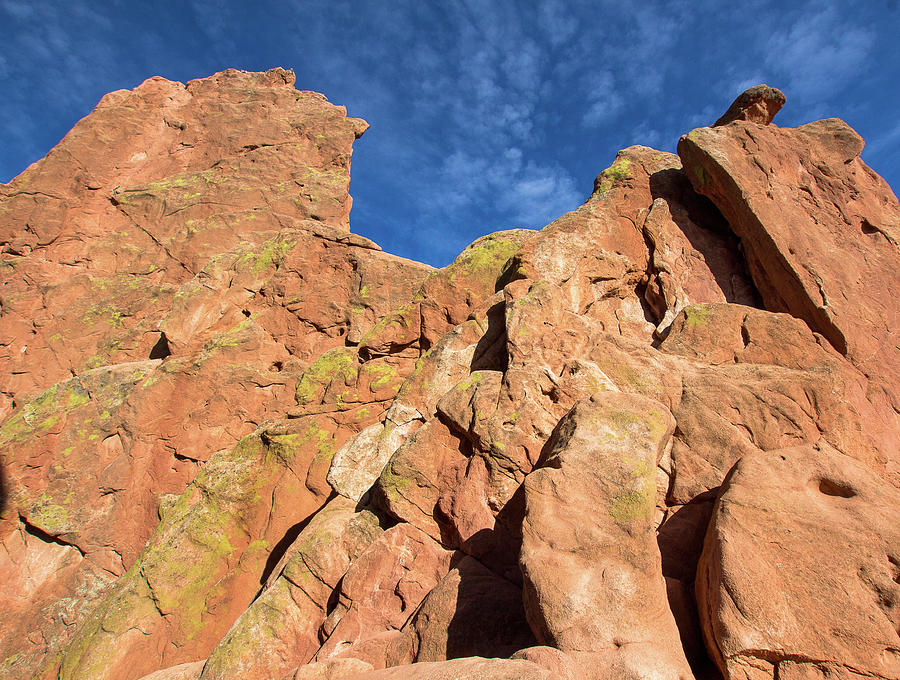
(656, 439)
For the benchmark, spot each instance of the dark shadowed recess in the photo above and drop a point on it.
(674, 186)
(282, 546)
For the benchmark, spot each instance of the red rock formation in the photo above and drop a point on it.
(240, 441)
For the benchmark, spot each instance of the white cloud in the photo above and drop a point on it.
(819, 52)
(19, 9)
(557, 21)
(605, 102)
(526, 193)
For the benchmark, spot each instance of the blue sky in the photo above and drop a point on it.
(485, 114)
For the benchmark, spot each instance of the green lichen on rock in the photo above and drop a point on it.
(397, 325)
(635, 505)
(44, 412)
(268, 254)
(184, 569)
(104, 311)
(697, 316)
(336, 179)
(314, 437)
(391, 484)
(486, 257)
(234, 336)
(382, 374)
(616, 172)
(49, 516)
(474, 378)
(417, 380)
(336, 364)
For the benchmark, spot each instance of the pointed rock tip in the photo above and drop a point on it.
(759, 104)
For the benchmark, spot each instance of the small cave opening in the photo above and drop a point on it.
(161, 349)
(868, 228)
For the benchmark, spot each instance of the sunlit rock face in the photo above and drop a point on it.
(656, 439)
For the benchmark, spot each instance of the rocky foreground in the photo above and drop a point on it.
(658, 438)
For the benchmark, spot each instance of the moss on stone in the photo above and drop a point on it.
(391, 484)
(635, 505)
(400, 317)
(49, 517)
(233, 337)
(484, 259)
(383, 373)
(338, 363)
(270, 253)
(616, 172)
(697, 316)
(474, 378)
(44, 412)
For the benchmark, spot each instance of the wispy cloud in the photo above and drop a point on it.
(888, 142)
(485, 113)
(605, 102)
(819, 52)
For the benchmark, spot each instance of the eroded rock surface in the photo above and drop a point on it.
(799, 575)
(592, 571)
(240, 441)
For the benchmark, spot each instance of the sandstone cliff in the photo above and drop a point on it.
(658, 438)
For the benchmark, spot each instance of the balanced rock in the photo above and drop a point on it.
(759, 104)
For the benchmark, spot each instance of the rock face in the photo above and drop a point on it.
(658, 438)
(592, 571)
(835, 611)
(820, 237)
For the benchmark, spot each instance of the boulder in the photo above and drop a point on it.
(758, 104)
(592, 571)
(799, 576)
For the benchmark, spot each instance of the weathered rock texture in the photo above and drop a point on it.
(658, 438)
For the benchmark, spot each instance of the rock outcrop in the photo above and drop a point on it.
(799, 575)
(658, 438)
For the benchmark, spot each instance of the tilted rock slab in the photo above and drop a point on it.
(821, 231)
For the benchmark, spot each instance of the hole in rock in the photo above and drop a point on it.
(840, 489)
(246, 312)
(161, 349)
(867, 227)
(277, 366)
